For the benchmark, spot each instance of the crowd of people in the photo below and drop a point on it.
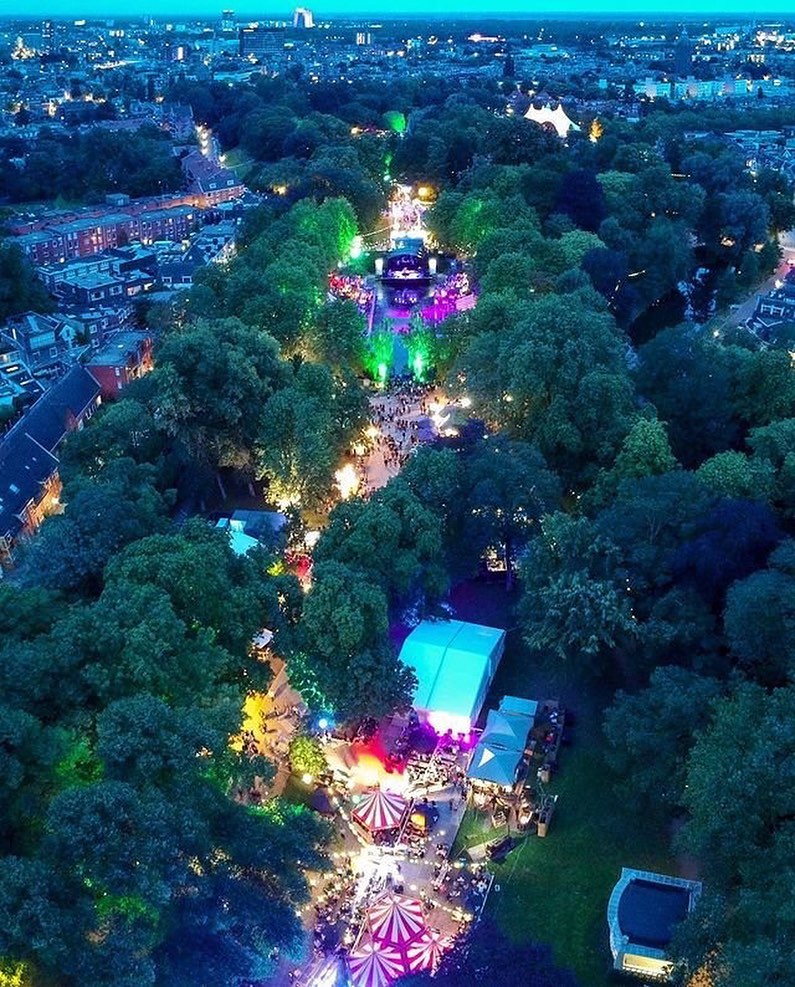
(400, 417)
(353, 288)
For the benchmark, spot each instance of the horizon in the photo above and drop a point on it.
(446, 10)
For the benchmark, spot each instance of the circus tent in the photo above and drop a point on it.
(556, 118)
(426, 952)
(380, 810)
(395, 919)
(375, 965)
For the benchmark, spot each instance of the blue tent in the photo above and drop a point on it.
(454, 663)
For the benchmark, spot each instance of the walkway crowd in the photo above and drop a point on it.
(401, 417)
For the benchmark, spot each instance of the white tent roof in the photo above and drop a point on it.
(557, 118)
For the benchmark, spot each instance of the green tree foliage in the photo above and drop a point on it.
(740, 798)
(509, 487)
(760, 618)
(87, 165)
(393, 538)
(344, 635)
(103, 515)
(557, 378)
(211, 385)
(688, 379)
(733, 474)
(305, 428)
(20, 289)
(651, 733)
(573, 604)
(644, 452)
(306, 755)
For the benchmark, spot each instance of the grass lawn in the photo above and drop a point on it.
(238, 160)
(555, 890)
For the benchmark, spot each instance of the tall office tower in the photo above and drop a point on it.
(261, 42)
(683, 55)
(302, 18)
(47, 36)
(227, 20)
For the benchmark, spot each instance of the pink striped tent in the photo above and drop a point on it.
(396, 920)
(380, 810)
(374, 964)
(427, 950)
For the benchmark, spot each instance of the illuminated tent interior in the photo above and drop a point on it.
(454, 663)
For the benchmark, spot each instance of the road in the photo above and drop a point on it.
(746, 309)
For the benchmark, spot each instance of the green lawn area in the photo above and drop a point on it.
(238, 161)
(555, 890)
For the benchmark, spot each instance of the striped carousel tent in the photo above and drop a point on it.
(380, 810)
(374, 964)
(396, 920)
(427, 950)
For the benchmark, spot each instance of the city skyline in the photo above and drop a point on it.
(516, 9)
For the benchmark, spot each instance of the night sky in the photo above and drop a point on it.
(265, 9)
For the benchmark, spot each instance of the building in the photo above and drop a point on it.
(29, 481)
(261, 43)
(43, 342)
(125, 357)
(454, 663)
(683, 55)
(642, 915)
(209, 181)
(58, 241)
(303, 19)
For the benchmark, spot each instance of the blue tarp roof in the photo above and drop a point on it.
(507, 730)
(514, 704)
(494, 764)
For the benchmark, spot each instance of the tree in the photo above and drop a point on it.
(509, 488)
(644, 452)
(28, 752)
(305, 429)
(731, 540)
(306, 756)
(211, 386)
(344, 632)
(206, 584)
(650, 734)
(20, 289)
(557, 378)
(102, 516)
(688, 379)
(573, 604)
(733, 474)
(759, 619)
(740, 797)
(337, 337)
(393, 539)
(581, 198)
(122, 430)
